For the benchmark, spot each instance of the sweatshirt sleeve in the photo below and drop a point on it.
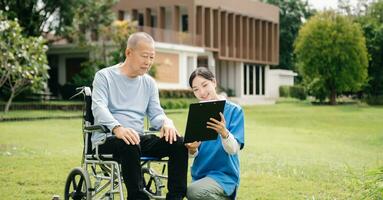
(154, 111)
(100, 96)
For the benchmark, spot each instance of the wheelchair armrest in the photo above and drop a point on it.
(98, 128)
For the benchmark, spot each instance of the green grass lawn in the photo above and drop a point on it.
(292, 151)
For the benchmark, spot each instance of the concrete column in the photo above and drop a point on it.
(61, 70)
(148, 17)
(176, 18)
(161, 17)
(239, 79)
(267, 82)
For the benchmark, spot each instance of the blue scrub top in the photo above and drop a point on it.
(213, 161)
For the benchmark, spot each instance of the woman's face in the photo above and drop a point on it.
(204, 89)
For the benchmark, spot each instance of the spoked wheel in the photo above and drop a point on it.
(77, 186)
(152, 183)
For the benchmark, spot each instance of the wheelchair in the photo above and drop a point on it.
(99, 176)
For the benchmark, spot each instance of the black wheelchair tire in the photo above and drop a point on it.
(77, 179)
(150, 179)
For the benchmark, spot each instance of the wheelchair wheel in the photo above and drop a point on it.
(77, 186)
(152, 183)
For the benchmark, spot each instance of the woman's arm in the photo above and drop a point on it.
(230, 144)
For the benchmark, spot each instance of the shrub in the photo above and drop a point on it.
(298, 92)
(180, 103)
(176, 93)
(86, 75)
(284, 91)
(374, 100)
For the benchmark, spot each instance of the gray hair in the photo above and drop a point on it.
(138, 36)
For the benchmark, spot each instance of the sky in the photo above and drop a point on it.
(322, 4)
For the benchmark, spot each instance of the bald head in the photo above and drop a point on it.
(137, 37)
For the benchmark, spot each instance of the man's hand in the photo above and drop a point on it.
(192, 147)
(129, 135)
(169, 131)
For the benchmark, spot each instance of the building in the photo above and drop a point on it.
(237, 39)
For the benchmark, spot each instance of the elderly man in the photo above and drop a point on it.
(123, 95)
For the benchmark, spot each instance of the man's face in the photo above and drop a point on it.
(141, 57)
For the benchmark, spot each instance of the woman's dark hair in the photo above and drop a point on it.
(203, 72)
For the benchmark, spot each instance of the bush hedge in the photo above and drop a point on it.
(295, 91)
(298, 92)
(180, 103)
(284, 91)
(166, 103)
(374, 100)
(181, 93)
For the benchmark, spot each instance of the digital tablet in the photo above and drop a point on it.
(199, 115)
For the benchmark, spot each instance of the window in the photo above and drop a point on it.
(253, 79)
(245, 80)
(184, 23)
(121, 14)
(140, 19)
(153, 21)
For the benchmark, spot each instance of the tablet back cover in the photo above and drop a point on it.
(199, 115)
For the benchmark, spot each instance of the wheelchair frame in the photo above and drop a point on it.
(99, 176)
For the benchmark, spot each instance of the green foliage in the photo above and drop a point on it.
(89, 26)
(331, 55)
(23, 60)
(176, 103)
(87, 18)
(86, 75)
(284, 91)
(153, 70)
(292, 13)
(35, 16)
(119, 32)
(165, 93)
(374, 99)
(296, 91)
(372, 26)
(105, 32)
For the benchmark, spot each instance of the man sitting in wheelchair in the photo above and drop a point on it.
(122, 96)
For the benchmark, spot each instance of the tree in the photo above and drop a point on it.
(332, 55)
(38, 17)
(292, 14)
(372, 26)
(119, 32)
(98, 32)
(23, 60)
(88, 26)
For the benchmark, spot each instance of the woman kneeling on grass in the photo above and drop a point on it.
(215, 170)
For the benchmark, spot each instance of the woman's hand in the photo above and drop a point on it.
(192, 147)
(219, 126)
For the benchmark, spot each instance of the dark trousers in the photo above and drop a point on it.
(129, 158)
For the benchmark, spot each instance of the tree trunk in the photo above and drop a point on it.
(8, 105)
(333, 97)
